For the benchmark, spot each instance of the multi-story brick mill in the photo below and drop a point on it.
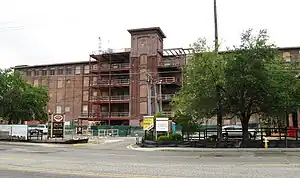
(119, 87)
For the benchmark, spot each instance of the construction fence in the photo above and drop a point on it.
(105, 131)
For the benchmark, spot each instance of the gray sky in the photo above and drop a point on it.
(50, 31)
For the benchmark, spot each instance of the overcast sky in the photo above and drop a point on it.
(52, 31)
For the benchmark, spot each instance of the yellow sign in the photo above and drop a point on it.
(148, 122)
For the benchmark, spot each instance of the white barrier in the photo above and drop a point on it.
(15, 130)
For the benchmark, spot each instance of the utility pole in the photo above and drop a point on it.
(160, 97)
(218, 91)
(149, 87)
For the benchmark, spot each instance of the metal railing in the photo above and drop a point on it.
(105, 114)
(167, 97)
(112, 82)
(119, 65)
(169, 63)
(116, 114)
(167, 80)
(168, 113)
(112, 98)
(112, 66)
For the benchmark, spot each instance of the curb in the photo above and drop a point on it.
(30, 144)
(216, 150)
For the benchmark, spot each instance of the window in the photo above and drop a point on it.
(60, 71)
(58, 110)
(95, 93)
(287, 56)
(86, 69)
(35, 83)
(67, 109)
(86, 81)
(50, 95)
(44, 82)
(52, 71)
(85, 108)
(59, 83)
(143, 59)
(36, 73)
(28, 73)
(69, 71)
(85, 95)
(77, 70)
(44, 72)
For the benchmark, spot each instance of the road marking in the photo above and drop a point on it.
(74, 172)
(112, 141)
(130, 147)
(80, 144)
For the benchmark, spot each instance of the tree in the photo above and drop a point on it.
(21, 101)
(197, 97)
(253, 79)
(257, 81)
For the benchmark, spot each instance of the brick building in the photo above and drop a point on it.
(119, 87)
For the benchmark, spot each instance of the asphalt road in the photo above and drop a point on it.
(113, 159)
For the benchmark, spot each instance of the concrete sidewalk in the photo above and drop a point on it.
(229, 150)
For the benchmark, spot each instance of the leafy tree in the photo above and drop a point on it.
(256, 81)
(188, 124)
(197, 97)
(21, 101)
(252, 77)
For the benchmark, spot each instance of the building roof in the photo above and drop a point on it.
(50, 65)
(149, 29)
(167, 52)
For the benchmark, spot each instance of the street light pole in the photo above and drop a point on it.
(218, 91)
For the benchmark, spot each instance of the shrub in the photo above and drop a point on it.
(149, 137)
(163, 138)
(175, 137)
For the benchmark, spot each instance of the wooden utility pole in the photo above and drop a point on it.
(218, 91)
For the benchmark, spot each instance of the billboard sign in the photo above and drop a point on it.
(162, 124)
(148, 122)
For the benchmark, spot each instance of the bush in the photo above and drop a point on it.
(148, 137)
(171, 137)
(163, 138)
(175, 137)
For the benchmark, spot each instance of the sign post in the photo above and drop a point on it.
(161, 125)
(57, 129)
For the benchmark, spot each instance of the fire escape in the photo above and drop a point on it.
(170, 77)
(109, 88)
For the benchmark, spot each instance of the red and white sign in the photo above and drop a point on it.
(58, 118)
